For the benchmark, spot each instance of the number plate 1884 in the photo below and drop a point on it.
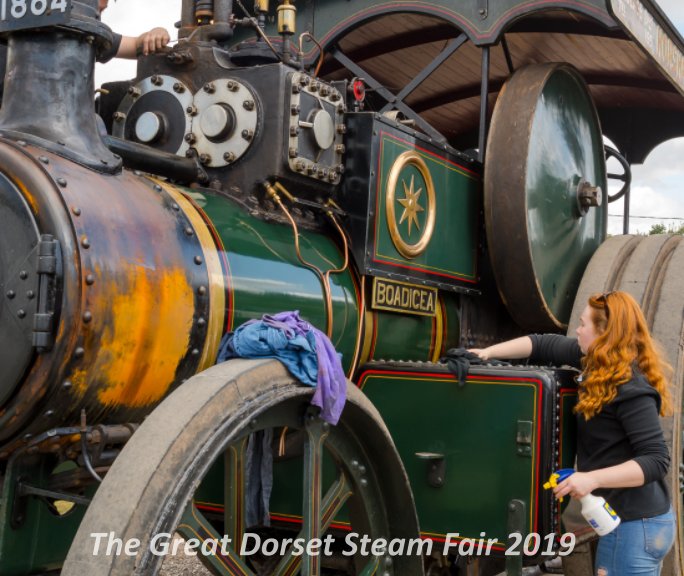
(25, 14)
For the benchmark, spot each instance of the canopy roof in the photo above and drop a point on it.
(630, 55)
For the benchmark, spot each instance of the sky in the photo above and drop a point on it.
(657, 185)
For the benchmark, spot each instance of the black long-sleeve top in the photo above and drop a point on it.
(627, 428)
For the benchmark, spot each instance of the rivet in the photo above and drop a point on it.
(10, 294)
(201, 321)
(354, 463)
(119, 116)
(362, 469)
(202, 290)
(198, 260)
(189, 231)
(22, 143)
(30, 294)
(137, 172)
(248, 105)
(175, 206)
(44, 160)
(85, 242)
(79, 352)
(363, 482)
(21, 313)
(87, 317)
(117, 156)
(23, 274)
(49, 413)
(157, 188)
(76, 210)
(27, 437)
(66, 384)
(195, 352)
(62, 182)
(90, 279)
(105, 162)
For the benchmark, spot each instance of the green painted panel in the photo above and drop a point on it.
(475, 428)
(265, 276)
(403, 336)
(41, 542)
(452, 250)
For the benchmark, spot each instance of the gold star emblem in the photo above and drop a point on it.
(411, 205)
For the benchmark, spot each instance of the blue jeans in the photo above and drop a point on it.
(636, 547)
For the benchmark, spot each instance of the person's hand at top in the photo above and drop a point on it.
(153, 40)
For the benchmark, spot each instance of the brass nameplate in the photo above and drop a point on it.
(403, 297)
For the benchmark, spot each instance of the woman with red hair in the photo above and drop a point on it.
(621, 451)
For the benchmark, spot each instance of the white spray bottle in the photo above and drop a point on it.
(601, 517)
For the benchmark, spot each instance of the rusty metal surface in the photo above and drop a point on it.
(136, 296)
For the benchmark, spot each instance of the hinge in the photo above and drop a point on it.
(523, 438)
(48, 256)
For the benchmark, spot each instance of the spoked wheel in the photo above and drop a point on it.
(650, 268)
(151, 486)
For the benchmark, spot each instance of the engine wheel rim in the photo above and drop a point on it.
(358, 483)
(650, 269)
(544, 145)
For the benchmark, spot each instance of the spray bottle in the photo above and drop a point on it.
(595, 509)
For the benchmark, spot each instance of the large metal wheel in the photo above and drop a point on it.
(544, 192)
(650, 268)
(150, 488)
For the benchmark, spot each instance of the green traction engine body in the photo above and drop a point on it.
(244, 174)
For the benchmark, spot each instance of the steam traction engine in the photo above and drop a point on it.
(410, 177)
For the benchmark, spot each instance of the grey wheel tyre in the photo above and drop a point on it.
(150, 487)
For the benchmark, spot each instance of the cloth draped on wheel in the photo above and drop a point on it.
(310, 357)
(304, 350)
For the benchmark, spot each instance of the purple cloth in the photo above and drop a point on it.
(306, 352)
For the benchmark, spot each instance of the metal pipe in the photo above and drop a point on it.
(188, 14)
(484, 104)
(223, 9)
(140, 157)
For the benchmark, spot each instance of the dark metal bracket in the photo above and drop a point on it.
(523, 438)
(516, 525)
(48, 262)
(436, 468)
(483, 8)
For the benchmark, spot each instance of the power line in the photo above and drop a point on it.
(648, 217)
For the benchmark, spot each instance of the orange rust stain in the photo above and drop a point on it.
(26, 193)
(79, 383)
(150, 333)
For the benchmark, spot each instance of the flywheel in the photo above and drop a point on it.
(544, 192)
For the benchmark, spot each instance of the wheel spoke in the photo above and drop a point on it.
(371, 567)
(234, 509)
(226, 560)
(316, 431)
(334, 499)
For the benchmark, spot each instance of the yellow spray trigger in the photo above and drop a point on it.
(552, 483)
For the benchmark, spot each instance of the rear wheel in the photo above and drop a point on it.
(650, 268)
(150, 488)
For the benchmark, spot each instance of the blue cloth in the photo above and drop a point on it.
(306, 352)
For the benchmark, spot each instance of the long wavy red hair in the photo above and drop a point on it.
(623, 341)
